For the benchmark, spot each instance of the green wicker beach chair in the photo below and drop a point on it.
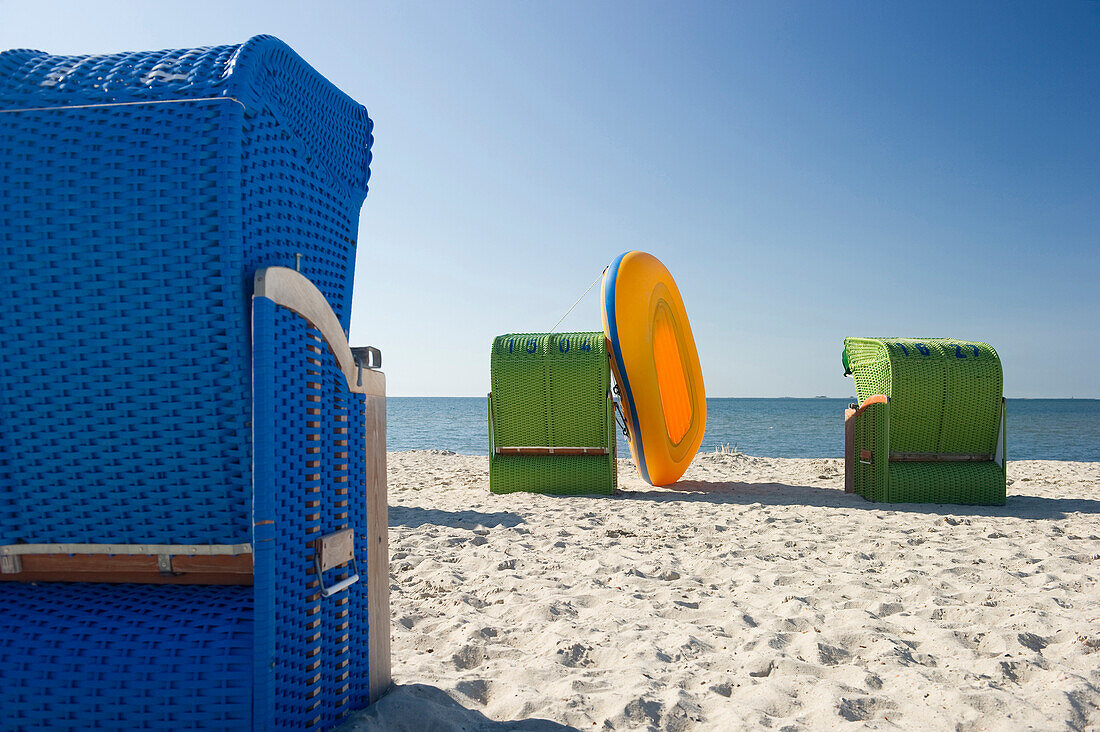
(930, 423)
(551, 418)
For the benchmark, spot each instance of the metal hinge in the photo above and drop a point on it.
(366, 357)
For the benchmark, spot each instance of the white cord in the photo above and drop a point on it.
(123, 104)
(578, 302)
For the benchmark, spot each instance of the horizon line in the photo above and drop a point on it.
(482, 396)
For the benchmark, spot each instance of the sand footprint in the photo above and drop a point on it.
(476, 689)
(468, 657)
(832, 655)
(575, 655)
(862, 709)
(639, 713)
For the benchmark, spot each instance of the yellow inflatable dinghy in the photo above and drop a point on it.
(656, 366)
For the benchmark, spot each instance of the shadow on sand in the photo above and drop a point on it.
(781, 494)
(416, 516)
(419, 707)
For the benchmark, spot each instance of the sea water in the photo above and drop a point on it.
(1038, 429)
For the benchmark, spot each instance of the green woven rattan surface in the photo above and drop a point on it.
(551, 390)
(873, 434)
(974, 483)
(944, 398)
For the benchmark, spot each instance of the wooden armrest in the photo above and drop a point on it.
(876, 399)
(865, 456)
(211, 564)
(291, 290)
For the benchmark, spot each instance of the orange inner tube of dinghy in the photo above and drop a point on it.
(656, 366)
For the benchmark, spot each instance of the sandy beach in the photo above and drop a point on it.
(754, 593)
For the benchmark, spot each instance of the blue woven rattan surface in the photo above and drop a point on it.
(129, 235)
(95, 656)
(75, 656)
(313, 430)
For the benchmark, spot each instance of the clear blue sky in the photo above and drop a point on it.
(806, 170)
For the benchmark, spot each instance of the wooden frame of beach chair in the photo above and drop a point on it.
(930, 426)
(197, 480)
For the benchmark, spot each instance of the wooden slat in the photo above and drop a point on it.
(565, 451)
(939, 457)
(378, 552)
(849, 450)
(876, 399)
(186, 570)
(133, 578)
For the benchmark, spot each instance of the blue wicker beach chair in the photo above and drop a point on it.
(192, 460)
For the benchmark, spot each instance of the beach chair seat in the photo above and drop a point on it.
(929, 425)
(551, 414)
(193, 531)
(132, 651)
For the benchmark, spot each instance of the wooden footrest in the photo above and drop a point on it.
(552, 451)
